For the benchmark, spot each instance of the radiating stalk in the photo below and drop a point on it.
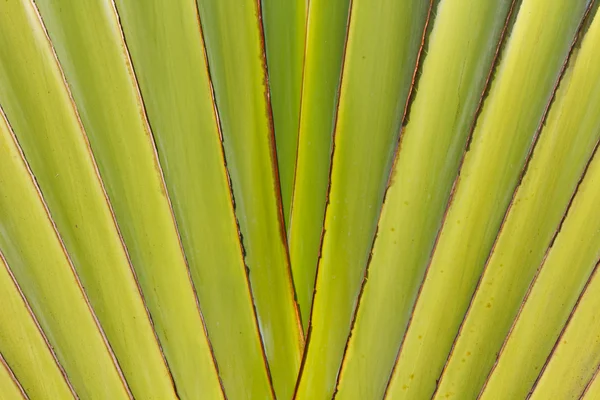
(565, 144)
(10, 388)
(325, 43)
(377, 76)
(284, 22)
(39, 107)
(234, 43)
(24, 347)
(506, 130)
(460, 55)
(575, 357)
(166, 45)
(28, 239)
(592, 391)
(553, 295)
(89, 44)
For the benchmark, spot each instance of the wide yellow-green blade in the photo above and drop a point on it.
(377, 75)
(523, 85)
(553, 296)
(29, 241)
(233, 38)
(566, 144)
(592, 391)
(325, 37)
(284, 25)
(576, 358)
(459, 58)
(88, 42)
(67, 175)
(23, 345)
(165, 41)
(10, 388)
(576, 355)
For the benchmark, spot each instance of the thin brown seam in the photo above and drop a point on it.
(530, 286)
(539, 270)
(334, 134)
(407, 105)
(232, 203)
(298, 142)
(289, 228)
(561, 75)
(275, 171)
(590, 383)
(148, 129)
(563, 330)
(12, 376)
(522, 174)
(265, 64)
(514, 195)
(476, 114)
(537, 273)
(107, 201)
(50, 348)
(49, 216)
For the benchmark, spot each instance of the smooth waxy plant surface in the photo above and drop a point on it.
(301, 199)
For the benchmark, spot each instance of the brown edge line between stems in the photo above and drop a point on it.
(150, 134)
(14, 279)
(538, 270)
(575, 41)
(118, 231)
(323, 231)
(299, 112)
(12, 376)
(102, 187)
(528, 157)
(534, 279)
(276, 179)
(564, 329)
(407, 105)
(507, 212)
(232, 202)
(75, 111)
(482, 98)
(291, 211)
(537, 273)
(590, 383)
(542, 264)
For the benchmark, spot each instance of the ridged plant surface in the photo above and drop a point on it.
(299, 199)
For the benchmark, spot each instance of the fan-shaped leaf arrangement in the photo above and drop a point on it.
(323, 199)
